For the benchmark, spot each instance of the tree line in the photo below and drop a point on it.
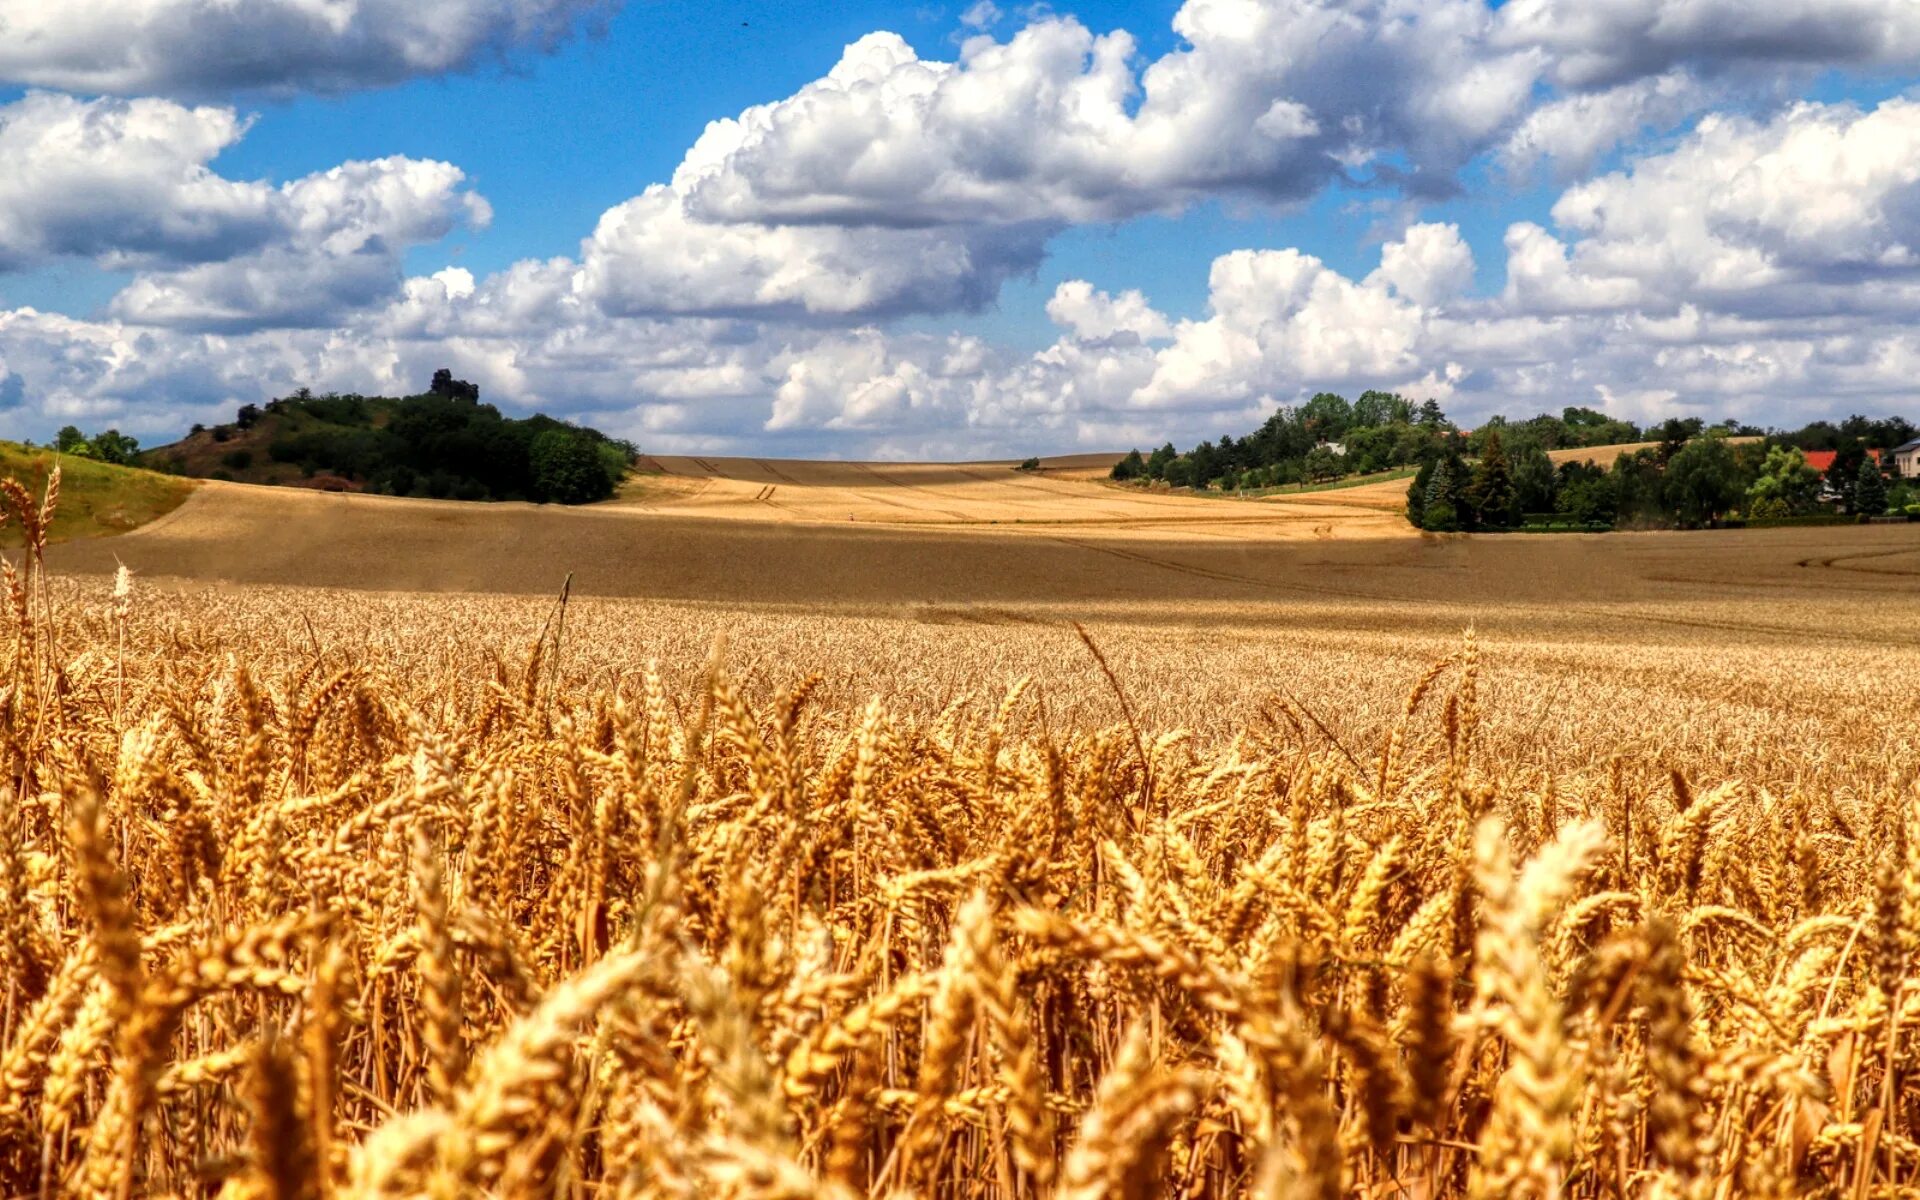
(1329, 438)
(1501, 476)
(1694, 475)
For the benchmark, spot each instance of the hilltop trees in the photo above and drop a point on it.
(109, 446)
(1323, 439)
(444, 384)
(441, 443)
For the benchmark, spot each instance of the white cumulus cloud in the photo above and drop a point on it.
(214, 47)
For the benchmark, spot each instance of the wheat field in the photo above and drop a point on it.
(313, 893)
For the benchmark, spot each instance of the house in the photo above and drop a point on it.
(1906, 459)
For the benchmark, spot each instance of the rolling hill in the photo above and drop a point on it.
(96, 499)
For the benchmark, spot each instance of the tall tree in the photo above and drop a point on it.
(1439, 512)
(1870, 489)
(1491, 492)
(1702, 481)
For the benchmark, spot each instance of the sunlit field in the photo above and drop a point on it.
(780, 858)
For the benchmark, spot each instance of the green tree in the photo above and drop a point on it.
(1587, 494)
(1130, 467)
(1491, 492)
(115, 447)
(1786, 485)
(1437, 510)
(1417, 495)
(1870, 489)
(1533, 479)
(1323, 463)
(1676, 432)
(1702, 481)
(71, 441)
(1327, 415)
(566, 468)
(1158, 460)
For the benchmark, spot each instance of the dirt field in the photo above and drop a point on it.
(870, 538)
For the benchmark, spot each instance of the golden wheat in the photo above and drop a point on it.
(400, 917)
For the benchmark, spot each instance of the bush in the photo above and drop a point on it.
(239, 460)
(1030, 464)
(1440, 517)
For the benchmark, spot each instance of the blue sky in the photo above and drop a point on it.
(1045, 237)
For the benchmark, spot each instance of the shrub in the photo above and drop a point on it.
(1441, 517)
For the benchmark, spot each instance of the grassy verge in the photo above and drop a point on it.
(96, 499)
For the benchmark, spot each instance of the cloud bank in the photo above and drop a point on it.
(1741, 251)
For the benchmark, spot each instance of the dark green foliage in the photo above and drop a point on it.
(1417, 495)
(441, 443)
(1703, 481)
(1855, 431)
(1379, 432)
(1585, 494)
(111, 446)
(1870, 490)
(1491, 493)
(1676, 432)
(1533, 478)
(1157, 463)
(566, 468)
(239, 460)
(1441, 508)
(1130, 467)
(444, 384)
(1028, 464)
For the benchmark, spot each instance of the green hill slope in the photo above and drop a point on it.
(96, 499)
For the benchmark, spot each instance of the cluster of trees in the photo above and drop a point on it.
(442, 443)
(1501, 475)
(1329, 438)
(109, 446)
(1694, 476)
